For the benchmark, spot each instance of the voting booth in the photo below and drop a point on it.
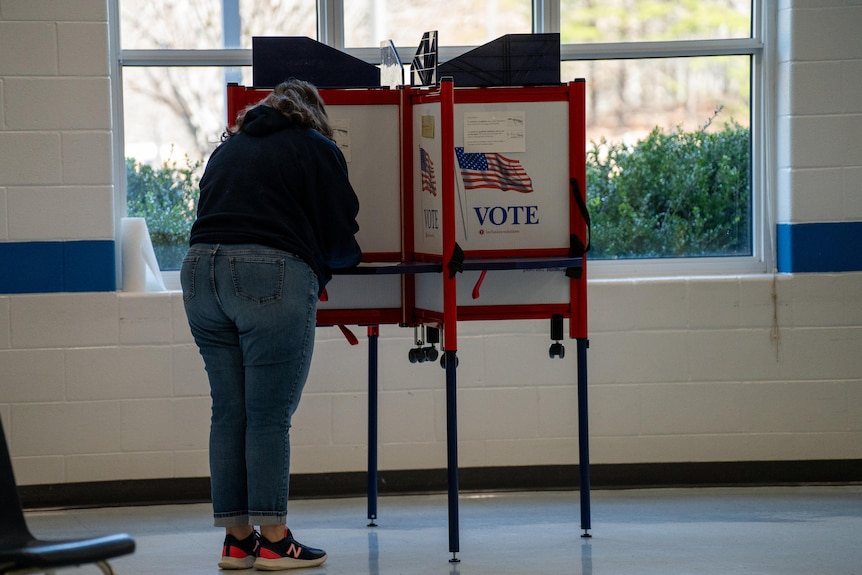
(471, 208)
(505, 205)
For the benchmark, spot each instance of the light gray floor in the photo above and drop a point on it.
(813, 530)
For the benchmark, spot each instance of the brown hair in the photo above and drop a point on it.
(298, 101)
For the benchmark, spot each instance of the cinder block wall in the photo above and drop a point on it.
(98, 385)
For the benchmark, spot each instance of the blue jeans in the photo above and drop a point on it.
(252, 311)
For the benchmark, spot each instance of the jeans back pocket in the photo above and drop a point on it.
(259, 279)
(187, 276)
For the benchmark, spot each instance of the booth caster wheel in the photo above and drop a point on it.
(422, 354)
(557, 349)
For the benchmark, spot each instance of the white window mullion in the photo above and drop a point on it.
(546, 16)
(330, 23)
(763, 156)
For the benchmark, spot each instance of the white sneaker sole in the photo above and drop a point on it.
(236, 563)
(286, 563)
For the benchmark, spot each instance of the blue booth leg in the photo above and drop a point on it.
(372, 426)
(583, 436)
(451, 363)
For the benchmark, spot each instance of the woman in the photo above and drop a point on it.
(276, 215)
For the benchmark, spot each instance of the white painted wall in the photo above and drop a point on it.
(108, 386)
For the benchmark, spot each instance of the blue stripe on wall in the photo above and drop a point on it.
(819, 247)
(90, 265)
(49, 267)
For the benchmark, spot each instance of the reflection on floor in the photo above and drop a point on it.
(722, 531)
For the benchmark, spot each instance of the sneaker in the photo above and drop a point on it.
(239, 554)
(286, 554)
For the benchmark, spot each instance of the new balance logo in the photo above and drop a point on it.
(294, 550)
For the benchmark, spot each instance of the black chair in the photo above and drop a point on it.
(20, 552)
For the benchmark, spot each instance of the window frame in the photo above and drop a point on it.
(759, 47)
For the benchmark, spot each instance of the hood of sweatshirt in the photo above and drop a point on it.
(263, 120)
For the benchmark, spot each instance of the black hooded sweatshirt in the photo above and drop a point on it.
(280, 186)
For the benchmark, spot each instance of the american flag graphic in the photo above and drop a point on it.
(429, 181)
(493, 171)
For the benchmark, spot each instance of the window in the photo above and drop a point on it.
(587, 21)
(668, 82)
(211, 24)
(676, 133)
(678, 188)
(459, 22)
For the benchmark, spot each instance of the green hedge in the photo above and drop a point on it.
(167, 197)
(678, 194)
